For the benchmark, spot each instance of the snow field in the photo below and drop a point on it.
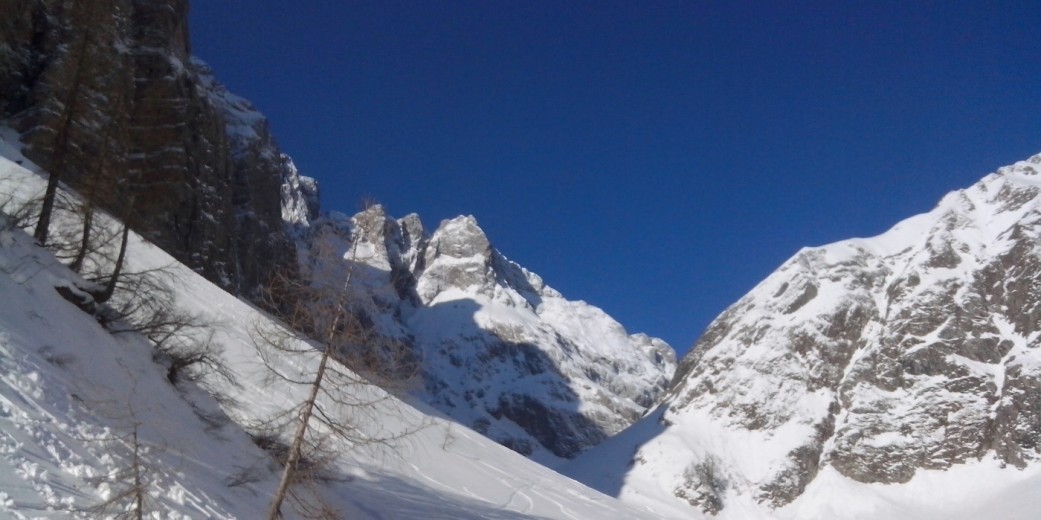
(71, 393)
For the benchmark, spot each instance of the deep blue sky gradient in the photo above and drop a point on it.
(655, 158)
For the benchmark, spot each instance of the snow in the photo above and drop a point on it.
(491, 332)
(756, 390)
(71, 392)
(983, 489)
(978, 490)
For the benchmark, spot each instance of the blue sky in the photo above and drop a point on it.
(657, 159)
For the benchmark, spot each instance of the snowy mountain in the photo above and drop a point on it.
(89, 413)
(500, 351)
(864, 374)
(890, 377)
(107, 97)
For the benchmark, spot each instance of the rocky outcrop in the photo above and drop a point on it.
(880, 357)
(500, 350)
(107, 96)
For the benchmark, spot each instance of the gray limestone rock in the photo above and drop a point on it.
(878, 358)
(500, 351)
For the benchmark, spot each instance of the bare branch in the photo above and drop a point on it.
(350, 359)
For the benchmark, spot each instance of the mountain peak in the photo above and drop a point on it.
(460, 237)
(503, 352)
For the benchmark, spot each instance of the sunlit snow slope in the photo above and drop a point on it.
(72, 393)
(897, 376)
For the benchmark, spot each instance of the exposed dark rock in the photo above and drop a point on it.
(704, 485)
(809, 292)
(105, 92)
(564, 432)
(80, 298)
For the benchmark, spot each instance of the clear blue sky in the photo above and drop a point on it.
(655, 158)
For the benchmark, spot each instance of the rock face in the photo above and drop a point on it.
(500, 350)
(913, 350)
(106, 94)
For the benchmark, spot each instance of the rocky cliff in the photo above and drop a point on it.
(876, 358)
(106, 93)
(500, 351)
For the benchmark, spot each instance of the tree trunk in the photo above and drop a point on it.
(88, 221)
(89, 202)
(61, 144)
(110, 287)
(43, 225)
(274, 511)
(325, 336)
(139, 487)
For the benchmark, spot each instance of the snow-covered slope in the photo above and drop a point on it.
(72, 396)
(500, 351)
(110, 95)
(875, 377)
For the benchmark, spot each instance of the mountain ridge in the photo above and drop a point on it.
(870, 365)
(89, 416)
(870, 359)
(109, 99)
(501, 351)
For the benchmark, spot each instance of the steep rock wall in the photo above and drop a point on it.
(106, 93)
